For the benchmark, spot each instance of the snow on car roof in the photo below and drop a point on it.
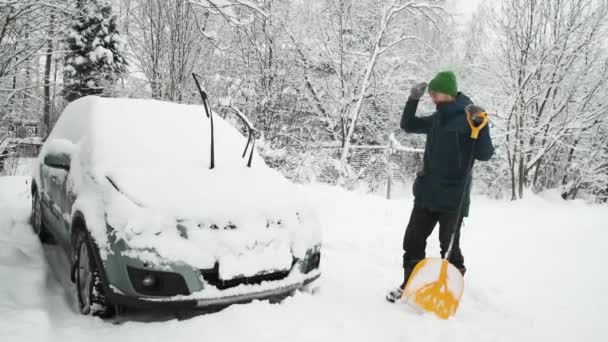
(122, 132)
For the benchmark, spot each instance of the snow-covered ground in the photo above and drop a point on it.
(537, 272)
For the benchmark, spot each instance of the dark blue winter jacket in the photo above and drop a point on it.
(441, 182)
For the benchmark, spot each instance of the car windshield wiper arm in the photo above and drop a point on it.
(251, 131)
(205, 99)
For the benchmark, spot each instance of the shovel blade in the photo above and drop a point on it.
(435, 286)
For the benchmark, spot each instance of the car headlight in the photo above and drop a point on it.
(311, 261)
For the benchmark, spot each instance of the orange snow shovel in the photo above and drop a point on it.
(435, 285)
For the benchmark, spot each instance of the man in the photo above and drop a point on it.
(438, 187)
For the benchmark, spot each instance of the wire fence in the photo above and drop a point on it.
(377, 169)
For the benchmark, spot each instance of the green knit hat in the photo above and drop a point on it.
(444, 82)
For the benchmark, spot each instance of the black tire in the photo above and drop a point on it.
(37, 220)
(89, 286)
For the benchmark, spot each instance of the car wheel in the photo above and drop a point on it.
(38, 224)
(89, 286)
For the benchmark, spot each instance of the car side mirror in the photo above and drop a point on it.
(58, 160)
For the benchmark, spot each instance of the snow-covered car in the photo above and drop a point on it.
(126, 188)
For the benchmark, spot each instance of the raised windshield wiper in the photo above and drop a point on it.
(209, 115)
(250, 129)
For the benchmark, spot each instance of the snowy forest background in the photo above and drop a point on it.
(324, 81)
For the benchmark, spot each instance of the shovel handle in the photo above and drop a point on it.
(475, 129)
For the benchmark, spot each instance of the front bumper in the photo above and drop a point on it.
(200, 293)
(216, 299)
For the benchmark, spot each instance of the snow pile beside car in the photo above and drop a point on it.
(22, 267)
(162, 199)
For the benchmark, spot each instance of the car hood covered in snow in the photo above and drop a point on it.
(219, 196)
(201, 216)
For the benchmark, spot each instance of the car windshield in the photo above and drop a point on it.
(129, 133)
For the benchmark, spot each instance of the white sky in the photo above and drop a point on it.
(467, 7)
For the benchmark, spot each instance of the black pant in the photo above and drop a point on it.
(421, 225)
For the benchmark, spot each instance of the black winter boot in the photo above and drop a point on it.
(396, 294)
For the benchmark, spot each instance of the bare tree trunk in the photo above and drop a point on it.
(354, 116)
(47, 77)
(513, 180)
(359, 103)
(522, 177)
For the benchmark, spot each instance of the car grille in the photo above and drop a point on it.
(212, 277)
